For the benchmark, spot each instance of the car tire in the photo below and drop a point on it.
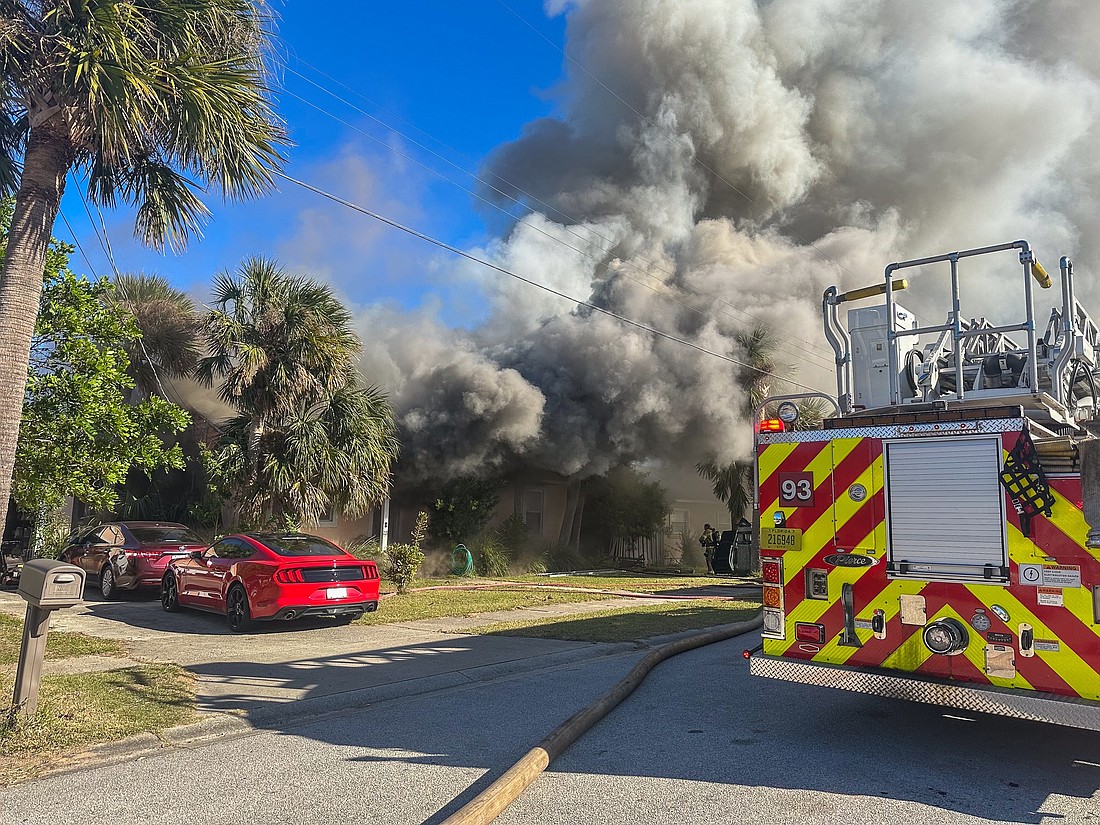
(237, 612)
(169, 594)
(108, 586)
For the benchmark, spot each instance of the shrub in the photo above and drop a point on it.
(403, 560)
(536, 565)
(490, 557)
(514, 535)
(563, 561)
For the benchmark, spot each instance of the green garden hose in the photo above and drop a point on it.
(462, 561)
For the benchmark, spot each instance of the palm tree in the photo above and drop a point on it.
(168, 322)
(732, 483)
(307, 437)
(143, 99)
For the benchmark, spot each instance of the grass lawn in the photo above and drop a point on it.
(629, 581)
(59, 645)
(433, 604)
(84, 708)
(630, 624)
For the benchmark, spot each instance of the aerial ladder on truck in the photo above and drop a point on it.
(938, 537)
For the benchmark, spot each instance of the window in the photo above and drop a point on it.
(299, 545)
(532, 511)
(232, 549)
(165, 535)
(109, 534)
(328, 517)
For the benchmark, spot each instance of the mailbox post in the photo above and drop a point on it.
(46, 585)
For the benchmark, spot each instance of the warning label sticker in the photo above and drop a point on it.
(1062, 575)
(1050, 596)
(1048, 645)
(1049, 575)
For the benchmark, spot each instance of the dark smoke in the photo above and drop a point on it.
(761, 151)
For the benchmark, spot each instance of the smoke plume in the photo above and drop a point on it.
(715, 165)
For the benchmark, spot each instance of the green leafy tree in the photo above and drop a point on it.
(308, 437)
(463, 507)
(147, 101)
(626, 503)
(80, 436)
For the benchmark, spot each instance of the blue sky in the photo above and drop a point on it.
(457, 77)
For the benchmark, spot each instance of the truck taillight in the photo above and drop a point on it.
(771, 572)
(808, 632)
(773, 596)
(771, 425)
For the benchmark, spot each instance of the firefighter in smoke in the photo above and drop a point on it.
(709, 540)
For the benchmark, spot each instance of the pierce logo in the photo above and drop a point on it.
(849, 560)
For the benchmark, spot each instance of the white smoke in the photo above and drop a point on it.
(717, 164)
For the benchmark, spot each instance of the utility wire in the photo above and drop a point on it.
(175, 396)
(532, 198)
(666, 290)
(462, 253)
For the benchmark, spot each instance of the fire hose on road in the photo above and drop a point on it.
(489, 804)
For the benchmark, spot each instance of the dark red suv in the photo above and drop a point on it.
(126, 555)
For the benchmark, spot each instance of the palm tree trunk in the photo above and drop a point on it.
(46, 162)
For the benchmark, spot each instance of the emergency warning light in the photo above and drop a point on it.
(771, 425)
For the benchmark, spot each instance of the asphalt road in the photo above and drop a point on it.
(699, 742)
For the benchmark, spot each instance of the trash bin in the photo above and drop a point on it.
(745, 557)
(724, 557)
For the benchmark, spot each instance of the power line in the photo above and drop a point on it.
(462, 253)
(174, 396)
(822, 360)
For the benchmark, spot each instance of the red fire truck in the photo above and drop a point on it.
(938, 537)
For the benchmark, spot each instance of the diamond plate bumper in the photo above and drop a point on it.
(1039, 707)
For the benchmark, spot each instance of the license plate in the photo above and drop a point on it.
(337, 593)
(780, 538)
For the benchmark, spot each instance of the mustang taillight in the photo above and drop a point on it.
(289, 575)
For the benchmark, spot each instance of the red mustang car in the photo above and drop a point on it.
(271, 576)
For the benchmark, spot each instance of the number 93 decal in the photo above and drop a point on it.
(796, 490)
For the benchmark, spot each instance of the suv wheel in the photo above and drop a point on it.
(108, 587)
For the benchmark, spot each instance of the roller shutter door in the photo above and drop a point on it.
(944, 509)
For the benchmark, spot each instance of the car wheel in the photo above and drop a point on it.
(169, 594)
(108, 587)
(237, 612)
